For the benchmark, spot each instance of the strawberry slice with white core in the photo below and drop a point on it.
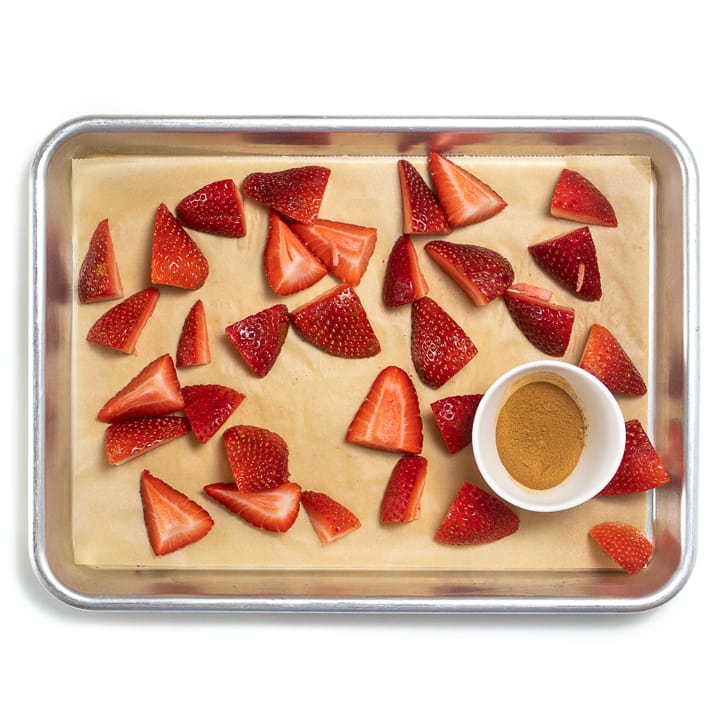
(576, 198)
(257, 456)
(422, 214)
(404, 281)
(194, 344)
(329, 519)
(216, 208)
(401, 501)
(131, 438)
(99, 277)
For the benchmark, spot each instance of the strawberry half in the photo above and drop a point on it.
(274, 510)
(404, 282)
(439, 347)
(296, 193)
(605, 358)
(475, 517)
(172, 519)
(131, 438)
(422, 214)
(260, 337)
(120, 327)
(329, 519)
(464, 197)
(454, 416)
(155, 390)
(208, 406)
(389, 417)
(640, 469)
(216, 208)
(336, 322)
(401, 501)
(481, 273)
(576, 198)
(99, 277)
(194, 345)
(625, 544)
(176, 258)
(258, 457)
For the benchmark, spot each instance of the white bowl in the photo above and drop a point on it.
(604, 441)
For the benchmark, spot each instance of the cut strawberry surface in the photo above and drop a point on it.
(216, 208)
(132, 438)
(172, 519)
(576, 198)
(475, 517)
(481, 273)
(99, 277)
(336, 322)
(422, 214)
(194, 344)
(208, 406)
(401, 501)
(439, 347)
(454, 416)
(625, 544)
(404, 281)
(119, 328)
(329, 519)
(257, 456)
(464, 198)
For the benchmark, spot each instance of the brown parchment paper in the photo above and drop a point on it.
(309, 397)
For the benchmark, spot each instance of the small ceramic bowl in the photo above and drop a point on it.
(604, 440)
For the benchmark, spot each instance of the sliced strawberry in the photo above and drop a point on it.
(176, 258)
(130, 438)
(422, 214)
(454, 416)
(404, 282)
(120, 327)
(640, 468)
(337, 323)
(401, 501)
(329, 519)
(258, 457)
(208, 406)
(296, 193)
(389, 417)
(625, 544)
(534, 291)
(475, 517)
(99, 277)
(605, 358)
(483, 274)
(155, 390)
(464, 197)
(260, 337)
(576, 198)
(547, 326)
(345, 249)
(274, 510)
(439, 347)
(194, 345)
(216, 208)
(172, 519)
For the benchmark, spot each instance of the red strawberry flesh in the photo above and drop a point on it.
(257, 456)
(132, 438)
(99, 277)
(576, 198)
(625, 544)
(404, 281)
(208, 406)
(216, 208)
(259, 338)
(454, 416)
(329, 519)
(194, 345)
(401, 500)
(422, 213)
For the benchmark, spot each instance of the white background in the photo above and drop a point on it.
(69, 59)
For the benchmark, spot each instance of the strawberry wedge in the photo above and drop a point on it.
(625, 544)
(194, 344)
(576, 198)
(99, 277)
(329, 519)
(258, 457)
(404, 281)
(422, 214)
(131, 438)
(216, 208)
(401, 501)
(208, 406)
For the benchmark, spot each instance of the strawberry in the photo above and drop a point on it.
(296, 193)
(576, 198)
(439, 347)
(216, 208)
(605, 358)
(258, 457)
(404, 281)
(99, 277)
(172, 519)
(454, 416)
(130, 438)
(422, 214)
(625, 544)
(260, 337)
(571, 259)
(155, 390)
(547, 326)
(119, 328)
(344, 248)
(289, 265)
(389, 416)
(336, 322)
(274, 510)
(481, 273)
(176, 258)
(401, 501)
(329, 519)
(208, 406)
(194, 345)
(475, 517)
(640, 469)
(465, 198)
